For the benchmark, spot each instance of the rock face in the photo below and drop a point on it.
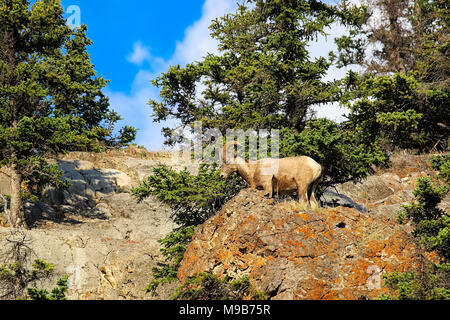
(96, 232)
(337, 253)
(104, 258)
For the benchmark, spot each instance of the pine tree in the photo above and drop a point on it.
(403, 96)
(263, 77)
(50, 96)
(401, 36)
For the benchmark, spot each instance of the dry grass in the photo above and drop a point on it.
(294, 206)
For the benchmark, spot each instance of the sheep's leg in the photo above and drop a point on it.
(302, 194)
(268, 187)
(270, 191)
(275, 187)
(313, 202)
(312, 197)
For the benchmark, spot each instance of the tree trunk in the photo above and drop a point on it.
(17, 216)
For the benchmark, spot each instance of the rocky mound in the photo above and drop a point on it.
(337, 253)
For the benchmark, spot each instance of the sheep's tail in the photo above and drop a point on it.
(321, 175)
(318, 178)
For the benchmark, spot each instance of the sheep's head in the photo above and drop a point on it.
(230, 161)
(228, 170)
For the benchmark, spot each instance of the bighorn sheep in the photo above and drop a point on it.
(280, 176)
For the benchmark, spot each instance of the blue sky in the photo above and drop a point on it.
(115, 25)
(137, 40)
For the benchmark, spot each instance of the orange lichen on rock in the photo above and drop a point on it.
(336, 253)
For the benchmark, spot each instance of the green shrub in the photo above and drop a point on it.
(431, 223)
(15, 278)
(18, 273)
(430, 285)
(431, 227)
(406, 284)
(207, 286)
(399, 127)
(57, 294)
(442, 164)
(174, 246)
(193, 199)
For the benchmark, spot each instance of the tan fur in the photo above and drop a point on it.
(289, 176)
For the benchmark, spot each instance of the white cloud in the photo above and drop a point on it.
(134, 109)
(140, 54)
(197, 41)
(321, 48)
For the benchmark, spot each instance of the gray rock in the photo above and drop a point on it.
(97, 233)
(335, 199)
(110, 258)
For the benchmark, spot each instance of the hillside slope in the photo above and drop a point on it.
(107, 243)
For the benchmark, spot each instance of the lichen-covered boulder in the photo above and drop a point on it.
(337, 253)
